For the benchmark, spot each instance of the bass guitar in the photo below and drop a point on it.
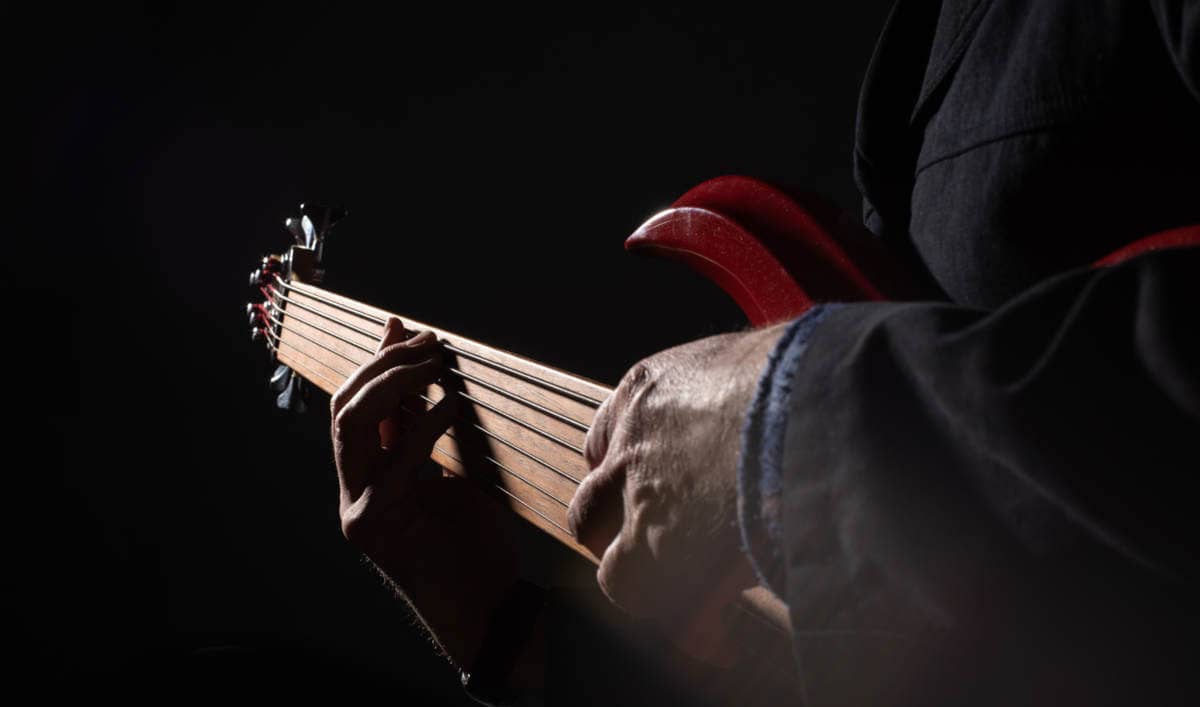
(520, 433)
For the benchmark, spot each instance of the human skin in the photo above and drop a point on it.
(659, 506)
(439, 540)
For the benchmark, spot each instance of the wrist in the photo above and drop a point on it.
(454, 600)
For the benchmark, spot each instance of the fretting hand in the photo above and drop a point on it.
(438, 538)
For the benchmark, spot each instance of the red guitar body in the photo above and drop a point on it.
(778, 253)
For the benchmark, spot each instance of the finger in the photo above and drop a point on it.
(595, 444)
(597, 510)
(394, 332)
(394, 350)
(390, 488)
(396, 347)
(614, 407)
(422, 432)
(357, 444)
(380, 397)
(622, 565)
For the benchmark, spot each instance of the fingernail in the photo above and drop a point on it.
(419, 338)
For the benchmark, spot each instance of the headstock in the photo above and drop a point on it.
(301, 263)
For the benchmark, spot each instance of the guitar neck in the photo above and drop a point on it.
(520, 429)
(521, 424)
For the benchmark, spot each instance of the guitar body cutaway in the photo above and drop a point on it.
(775, 253)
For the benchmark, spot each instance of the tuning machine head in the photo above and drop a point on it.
(267, 272)
(274, 278)
(262, 280)
(309, 229)
(313, 225)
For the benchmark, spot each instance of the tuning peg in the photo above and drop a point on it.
(292, 397)
(309, 231)
(279, 379)
(271, 264)
(256, 313)
(316, 221)
(256, 334)
(323, 217)
(292, 224)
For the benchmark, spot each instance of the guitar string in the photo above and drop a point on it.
(279, 342)
(536, 430)
(581, 397)
(513, 496)
(498, 464)
(504, 468)
(492, 485)
(271, 294)
(529, 378)
(462, 394)
(582, 427)
(486, 362)
(485, 431)
(757, 619)
(471, 356)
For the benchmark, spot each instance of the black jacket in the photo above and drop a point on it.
(986, 499)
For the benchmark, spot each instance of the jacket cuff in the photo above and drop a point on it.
(760, 472)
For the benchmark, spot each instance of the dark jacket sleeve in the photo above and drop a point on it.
(994, 507)
(1179, 22)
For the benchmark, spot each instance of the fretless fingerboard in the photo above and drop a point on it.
(519, 432)
(521, 425)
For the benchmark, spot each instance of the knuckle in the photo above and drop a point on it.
(356, 521)
(595, 444)
(605, 578)
(580, 506)
(392, 350)
(344, 419)
(638, 376)
(612, 413)
(352, 527)
(616, 576)
(574, 520)
(641, 380)
(596, 513)
(404, 374)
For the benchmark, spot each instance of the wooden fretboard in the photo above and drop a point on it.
(521, 427)
(520, 433)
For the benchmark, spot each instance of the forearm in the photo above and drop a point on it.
(454, 618)
(452, 595)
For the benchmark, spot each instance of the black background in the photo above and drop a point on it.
(493, 162)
